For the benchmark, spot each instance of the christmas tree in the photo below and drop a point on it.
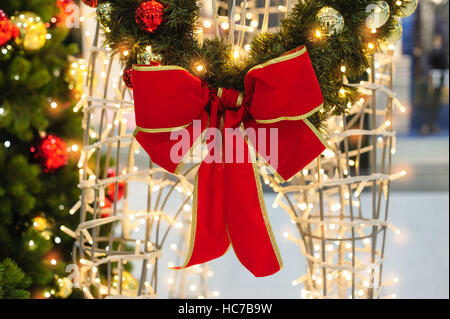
(39, 138)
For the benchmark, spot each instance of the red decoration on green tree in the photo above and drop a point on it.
(66, 9)
(110, 193)
(52, 152)
(91, 3)
(3, 15)
(149, 15)
(8, 30)
(127, 77)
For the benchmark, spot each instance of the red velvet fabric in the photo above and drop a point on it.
(228, 204)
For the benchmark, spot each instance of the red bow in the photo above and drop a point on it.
(228, 204)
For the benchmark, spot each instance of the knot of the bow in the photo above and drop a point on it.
(227, 104)
(230, 99)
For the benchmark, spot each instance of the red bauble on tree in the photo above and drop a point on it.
(149, 15)
(111, 193)
(91, 3)
(52, 152)
(8, 30)
(66, 10)
(127, 76)
(3, 15)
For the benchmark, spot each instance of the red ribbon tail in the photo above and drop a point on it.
(209, 239)
(247, 222)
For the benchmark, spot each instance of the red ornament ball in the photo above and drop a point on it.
(52, 152)
(127, 77)
(91, 3)
(149, 15)
(8, 30)
(66, 10)
(3, 15)
(111, 192)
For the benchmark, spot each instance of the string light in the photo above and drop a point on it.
(225, 25)
(318, 33)
(193, 287)
(207, 24)
(236, 53)
(199, 68)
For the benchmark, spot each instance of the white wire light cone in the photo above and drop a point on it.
(339, 205)
(120, 226)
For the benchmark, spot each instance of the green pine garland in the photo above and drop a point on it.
(174, 40)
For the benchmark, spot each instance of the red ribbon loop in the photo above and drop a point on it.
(228, 207)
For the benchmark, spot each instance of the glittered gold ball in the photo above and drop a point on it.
(65, 287)
(379, 14)
(104, 13)
(129, 283)
(393, 38)
(331, 21)
(408, 8)
(144, 57)
(32, 31)
(40, 223)
(76, 74)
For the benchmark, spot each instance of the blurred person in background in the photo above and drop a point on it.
(438, 63)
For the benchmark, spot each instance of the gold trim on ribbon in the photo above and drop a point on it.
(159, 130)
(193, 224)
(158, 68)
(317, 133)
(240, 99)
(219, 92)
(291, 118)
(193, 232)
(280, 59)
(263, 206)
(190, 153)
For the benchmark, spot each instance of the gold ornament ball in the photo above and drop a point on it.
(76, 74)
(104, 13)
(33, 33)
(408, 8)
(40, 223)
(65, 287)
(379, 14)
(394, 36)
(129, 284)
(331, 21)
(144, 57)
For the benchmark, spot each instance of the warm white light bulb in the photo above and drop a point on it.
(207, 24)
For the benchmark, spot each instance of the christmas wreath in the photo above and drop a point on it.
(340, 36)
